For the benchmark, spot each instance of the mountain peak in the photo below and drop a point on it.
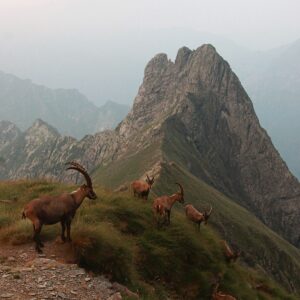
(41, 128)
(164, 82)
(182, 57)
(7, 125)
(207, 48)
(157, 64)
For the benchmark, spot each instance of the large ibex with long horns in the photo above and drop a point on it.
(48, 210)
(162, 205)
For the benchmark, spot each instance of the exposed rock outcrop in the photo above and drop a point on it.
(8, 133)
(41, 152)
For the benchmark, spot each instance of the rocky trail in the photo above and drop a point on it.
(24, 274)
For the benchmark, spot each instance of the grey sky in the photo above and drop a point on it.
(258, 24)
(87, 44)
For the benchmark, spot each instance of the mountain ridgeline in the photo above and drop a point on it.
(193, 122)
(22, 102)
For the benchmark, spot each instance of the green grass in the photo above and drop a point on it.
(130, 168)
(116, 235)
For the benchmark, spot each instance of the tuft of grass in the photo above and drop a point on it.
(102, 249)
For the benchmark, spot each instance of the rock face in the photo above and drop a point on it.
(41, 152)
(69, 111)
(8, 133)
(200, 102)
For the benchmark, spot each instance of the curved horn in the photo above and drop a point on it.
(148, 177)
(75, 164)
(181, 188)
(77, 167)
(209, 211)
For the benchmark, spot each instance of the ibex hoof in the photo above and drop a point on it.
(38, 250)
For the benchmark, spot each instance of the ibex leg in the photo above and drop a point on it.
(68, 223)
(37, 227)
(63, 229)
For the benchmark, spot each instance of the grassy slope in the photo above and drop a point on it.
(116, 235)
(262, 248)
(129, 168)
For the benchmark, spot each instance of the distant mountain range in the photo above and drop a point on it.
(69, 111)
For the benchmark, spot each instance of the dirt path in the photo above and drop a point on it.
(54, 275)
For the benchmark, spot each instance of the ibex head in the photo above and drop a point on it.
(181, 193)
(150, 181)
(88, 187)
(207, 215)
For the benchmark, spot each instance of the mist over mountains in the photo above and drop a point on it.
(274, 87)
(22, 102)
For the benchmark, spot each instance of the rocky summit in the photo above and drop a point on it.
(196, 104)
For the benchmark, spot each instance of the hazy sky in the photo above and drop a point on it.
(84, 44)
(257, 23)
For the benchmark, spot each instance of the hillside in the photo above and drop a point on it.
(22, 102)
(115, 236)
(261, 247)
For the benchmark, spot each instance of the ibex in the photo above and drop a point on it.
(141, 188)
(217, 295)
(230, 254)
(196, 216)
(162, 205)
(48, 210)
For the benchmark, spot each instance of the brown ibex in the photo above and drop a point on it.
(141, 188)
(162, 205)
(196, 216)
(217, 295)
(48, 210)
(230, 254)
